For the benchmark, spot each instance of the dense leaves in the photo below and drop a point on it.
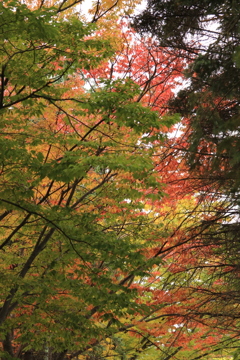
(209, 105)
(110, 244)
(72, 229)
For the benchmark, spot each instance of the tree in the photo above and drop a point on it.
(173, 21)
(72, 230)
(140, 60)
(211, 101)
(94, 257)
(210, 107)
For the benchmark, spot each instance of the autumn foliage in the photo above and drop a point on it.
(103, 252)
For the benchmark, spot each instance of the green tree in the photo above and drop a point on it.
(72, 229)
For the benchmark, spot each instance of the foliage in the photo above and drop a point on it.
(172, 22)
(209, 138)
(103, 253)
(211, 101)
(72, 230)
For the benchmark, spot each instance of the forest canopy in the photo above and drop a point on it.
(119, 198)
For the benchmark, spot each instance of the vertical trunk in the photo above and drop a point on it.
(7, 345)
